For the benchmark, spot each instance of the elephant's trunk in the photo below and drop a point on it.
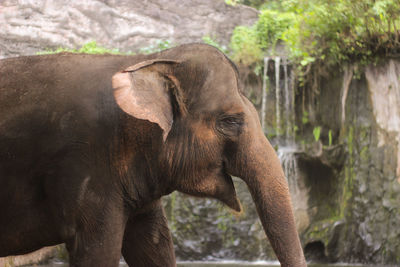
(258, 165)
(270, 193)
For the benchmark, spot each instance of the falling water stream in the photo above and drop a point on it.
(284, 116)
(283, 99)
(264, 94)
(287, 100)
(289, 164)
(278, 96)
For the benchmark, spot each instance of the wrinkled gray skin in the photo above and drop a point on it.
(90, 143)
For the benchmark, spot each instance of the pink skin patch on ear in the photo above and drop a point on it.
(143, 96)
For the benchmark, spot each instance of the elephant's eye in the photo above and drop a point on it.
(231, 121)
(230, 125)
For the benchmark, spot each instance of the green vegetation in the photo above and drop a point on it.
(157, 47)
(304, 117)
(249, 44)
(88, 48)
(349, 172)
(321, 31)
(211, 41)
(245, 45)
(232, 2)
(93, 48)
(317, 133)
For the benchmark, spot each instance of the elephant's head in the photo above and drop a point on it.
(211, 131)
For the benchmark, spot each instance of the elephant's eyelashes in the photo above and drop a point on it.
(230, 125)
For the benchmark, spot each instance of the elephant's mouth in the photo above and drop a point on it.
(228, 194)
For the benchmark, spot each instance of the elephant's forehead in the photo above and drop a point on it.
(219, 93)
(210, 81)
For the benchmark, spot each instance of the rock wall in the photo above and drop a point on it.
(353, 184)
(205, 229)
(28, 26)
(343, 168)
(384, 87)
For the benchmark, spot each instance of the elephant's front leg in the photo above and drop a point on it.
(147, 239)
(98, 241)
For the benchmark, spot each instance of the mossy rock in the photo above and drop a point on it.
(321, 240)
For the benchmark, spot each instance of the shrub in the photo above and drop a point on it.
(328, 31)
(88, 48)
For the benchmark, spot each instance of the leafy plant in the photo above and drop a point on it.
(232, 2)
(317, 133)
(157, 47)
(245, 45)
(88, 48)
(249, 44)
(271, 25)
(330, 137)
(321, 32)
(211, 41)
(304, 117)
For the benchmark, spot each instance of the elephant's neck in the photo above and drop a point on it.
(142, 177)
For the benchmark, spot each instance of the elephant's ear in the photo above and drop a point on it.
(143, 91)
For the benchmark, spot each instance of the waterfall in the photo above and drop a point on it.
(287, 101)
(284, 117)
(286, 112)
(289, 164)
(278, 96)
(287, 149)
(264, 94)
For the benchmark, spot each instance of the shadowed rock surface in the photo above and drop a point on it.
(354, 184)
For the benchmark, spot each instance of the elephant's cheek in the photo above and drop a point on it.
(219, 187)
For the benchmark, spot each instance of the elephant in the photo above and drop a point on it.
(90, 143)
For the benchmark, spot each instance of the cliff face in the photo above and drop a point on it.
(31, 26)
(373, 139)
(353, 185)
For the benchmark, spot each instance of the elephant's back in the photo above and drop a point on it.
(54, 103)
(56, 79)
(56, 88)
